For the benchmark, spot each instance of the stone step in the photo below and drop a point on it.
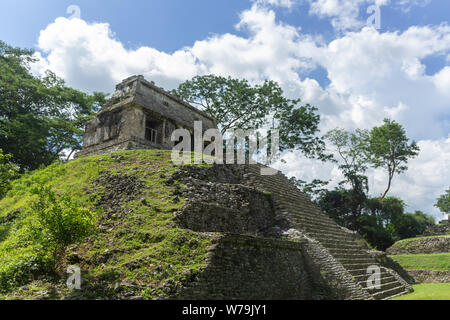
(389, 293)
(366, 259)
(385, 278)
(332, 244)
(310, 220)
(328, 241)
(344, 251)
(382, 287)
(341, 256)
(357, 272)
(313, 221)
(304, 213)
(318, 233)
(318, 229)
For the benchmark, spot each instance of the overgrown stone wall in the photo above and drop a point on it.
(259, 257)
(421, 245)
(430, 276)
(439, 229)
(244, 267)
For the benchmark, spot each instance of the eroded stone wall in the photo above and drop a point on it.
(243, 267)
(421, 246)
(430, 276)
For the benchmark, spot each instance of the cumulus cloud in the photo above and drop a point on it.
(371, 75)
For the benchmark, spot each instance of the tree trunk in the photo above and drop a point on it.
(388, 187)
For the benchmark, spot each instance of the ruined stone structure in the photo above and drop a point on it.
(140, 115)
(275, 243)
(271, 241)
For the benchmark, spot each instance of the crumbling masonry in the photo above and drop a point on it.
(272, 241)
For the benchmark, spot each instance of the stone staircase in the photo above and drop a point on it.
(306, 217)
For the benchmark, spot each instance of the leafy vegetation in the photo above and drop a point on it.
(8, 172)
(388, 148)
(428, 291)
(60, 220)
(236, 104)
(136, 248)
(380, 220)
(443, 202)
(40, 118)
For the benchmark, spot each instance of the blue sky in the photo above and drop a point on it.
(319, 50)
(172, 24)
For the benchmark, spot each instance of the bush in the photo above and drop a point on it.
(8, 172)
(60, 220)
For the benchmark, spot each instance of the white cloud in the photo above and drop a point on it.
(407, 5)
(343, 14)
(277, 3)
(372, 75)
(89, 57)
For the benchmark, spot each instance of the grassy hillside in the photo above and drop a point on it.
(439, 261)
(428, 291)
(135, 249)
(411, 242)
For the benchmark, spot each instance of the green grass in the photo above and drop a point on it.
(138, 250)
(428, 291)
(438, 261)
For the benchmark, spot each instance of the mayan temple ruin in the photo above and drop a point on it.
(140, 115)
(275, 243)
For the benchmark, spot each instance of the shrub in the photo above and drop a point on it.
(60, 220)
(8, 172)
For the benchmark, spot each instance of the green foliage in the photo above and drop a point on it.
(388, 147)
(136, 245)
(8, 172)
(413, 224)
(40, 118)
(60, 220)
(443, 202)
(313, 189)
(25, 246)
(236, 104)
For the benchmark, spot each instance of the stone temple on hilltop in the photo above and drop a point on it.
(140, 115)
(275, 243)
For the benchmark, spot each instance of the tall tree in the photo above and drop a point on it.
(236, 104)
(349, 148)
(443, 202)
(40, 118)
(389, 148)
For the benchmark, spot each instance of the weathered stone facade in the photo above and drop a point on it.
(275, 243)
(140, 115)
(440, 229)
(430, 276)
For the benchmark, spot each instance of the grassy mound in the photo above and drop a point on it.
(439, 261)
(428, 291)
(411, 242)
(135, 249)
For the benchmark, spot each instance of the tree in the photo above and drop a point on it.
(313, 189)
(443, 202)
(413, 224)
(236, 104)
(8, 172)
(353, 163)
(40, 118)
(389, 148)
